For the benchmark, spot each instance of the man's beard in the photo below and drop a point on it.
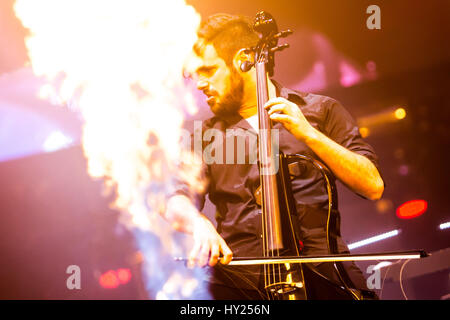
(232, 100)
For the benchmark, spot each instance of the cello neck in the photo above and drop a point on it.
(272, 236)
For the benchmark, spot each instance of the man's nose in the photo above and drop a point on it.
(201, 85)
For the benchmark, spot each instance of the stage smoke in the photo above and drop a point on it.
(120, 63)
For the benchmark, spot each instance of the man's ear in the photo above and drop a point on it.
(243, 60)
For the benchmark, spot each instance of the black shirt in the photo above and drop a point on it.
(232, 186)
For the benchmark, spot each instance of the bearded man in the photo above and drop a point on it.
(308, 124)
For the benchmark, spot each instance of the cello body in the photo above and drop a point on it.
(296, 281)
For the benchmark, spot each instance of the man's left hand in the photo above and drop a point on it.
(290, 115)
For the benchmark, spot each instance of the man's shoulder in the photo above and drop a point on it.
(307, 99)
(318, 107)
(312, 104)
(316, 99)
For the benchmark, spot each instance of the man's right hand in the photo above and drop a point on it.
(208, 244)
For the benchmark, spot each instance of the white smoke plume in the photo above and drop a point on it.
(119, 62)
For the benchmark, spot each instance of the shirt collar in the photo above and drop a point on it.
(289, 94)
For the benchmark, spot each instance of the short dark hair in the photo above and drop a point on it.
(228, 34)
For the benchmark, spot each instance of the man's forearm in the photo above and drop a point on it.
(354, 170)
(208, 244)
(181, 213)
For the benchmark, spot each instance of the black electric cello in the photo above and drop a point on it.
(288, 275)
(280, 235)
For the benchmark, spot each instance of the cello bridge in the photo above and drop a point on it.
(284, 288)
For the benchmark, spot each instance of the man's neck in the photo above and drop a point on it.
(250, 106)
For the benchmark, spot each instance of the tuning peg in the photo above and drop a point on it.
(279, 48)
(286, 33)
(283, 34)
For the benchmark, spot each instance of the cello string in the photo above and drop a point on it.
(270, 251)
(268, 201)
(268, 237)
(275, 270)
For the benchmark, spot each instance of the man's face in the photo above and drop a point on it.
(223, 85)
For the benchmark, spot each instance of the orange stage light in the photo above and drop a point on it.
(412, 209)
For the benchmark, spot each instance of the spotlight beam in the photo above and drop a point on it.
(444, 225)
(370, 240)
